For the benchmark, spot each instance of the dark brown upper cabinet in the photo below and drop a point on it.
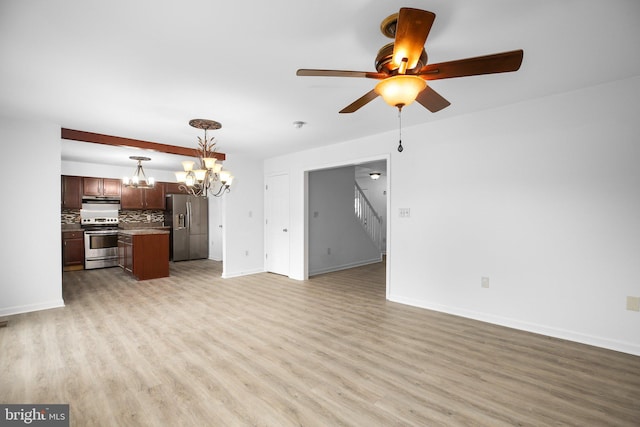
(101, 187)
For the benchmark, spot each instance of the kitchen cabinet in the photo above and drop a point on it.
(172, 188)
(72, 250)
(101, 187)
(71, 197)
(125, 252)
(140, 198)
(144, 253)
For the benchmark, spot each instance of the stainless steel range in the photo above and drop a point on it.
(99, 220)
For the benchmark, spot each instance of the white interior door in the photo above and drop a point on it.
(277, 224)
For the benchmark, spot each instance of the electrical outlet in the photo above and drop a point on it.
(328, 251)
(484, 282)
(405, 212)
(246, 253)
(633, 303)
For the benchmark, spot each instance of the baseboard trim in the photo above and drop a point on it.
(345, 266)
(621, 346)
(226, 275)
(19, 309)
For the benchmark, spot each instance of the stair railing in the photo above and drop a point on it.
(368, 217)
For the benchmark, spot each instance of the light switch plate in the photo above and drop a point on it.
(633, 303)
(484, 282)
(405, 212)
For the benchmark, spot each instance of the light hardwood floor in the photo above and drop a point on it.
(264, 350)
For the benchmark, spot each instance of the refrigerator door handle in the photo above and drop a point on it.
(188, 225)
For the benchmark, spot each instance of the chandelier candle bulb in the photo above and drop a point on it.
(188, 165)
(181, 176)
(209, 162)
(224, 176)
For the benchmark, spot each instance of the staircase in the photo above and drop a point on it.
(368, 217)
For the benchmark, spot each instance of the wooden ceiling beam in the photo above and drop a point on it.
(98, 138)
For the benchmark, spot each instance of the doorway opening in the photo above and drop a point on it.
(346, 211)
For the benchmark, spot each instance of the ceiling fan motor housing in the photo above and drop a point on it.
(388, 26)
(385, 55)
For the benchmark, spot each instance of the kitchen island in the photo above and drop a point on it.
(144, 252)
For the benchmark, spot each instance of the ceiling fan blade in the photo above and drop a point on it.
(412, 30)
(488, 64)
(360, 102)
(432, 100)
(340, 73)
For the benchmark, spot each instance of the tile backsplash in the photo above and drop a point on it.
(72, 216)
(137, 216)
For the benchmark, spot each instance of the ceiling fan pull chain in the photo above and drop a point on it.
(400, 148)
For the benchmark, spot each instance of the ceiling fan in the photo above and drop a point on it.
(401, 66)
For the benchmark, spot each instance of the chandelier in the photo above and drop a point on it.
(208, 178)
(138, 179)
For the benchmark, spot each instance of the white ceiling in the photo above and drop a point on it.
(142, 69)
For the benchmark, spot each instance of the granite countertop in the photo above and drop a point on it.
(71, 227)
(142, 231)
(129, 226)
(143, 225)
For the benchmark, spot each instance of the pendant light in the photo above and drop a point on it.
(139, 178)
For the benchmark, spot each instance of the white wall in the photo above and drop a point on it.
(31, 271)
(337, 240)
(243, 222)
(542, 197)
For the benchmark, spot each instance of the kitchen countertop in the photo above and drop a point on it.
(142, 231)
(142, 225)
(70, 227)
(123, 226)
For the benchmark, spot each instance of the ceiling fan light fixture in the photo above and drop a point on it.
(400, 90)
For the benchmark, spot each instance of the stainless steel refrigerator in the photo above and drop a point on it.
(188, 217)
